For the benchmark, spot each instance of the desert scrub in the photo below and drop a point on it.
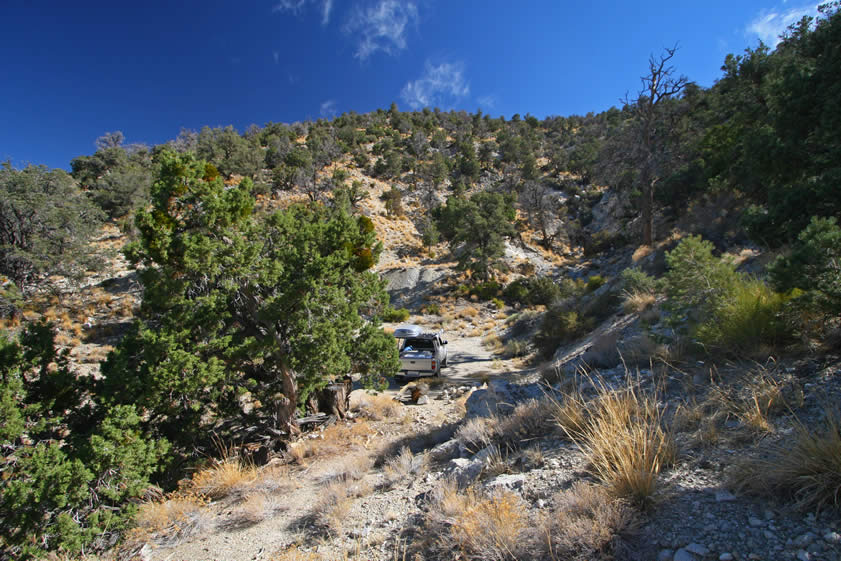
(395, 315)
(725, 310)
(477, 525)
(807, 470)
(624, 438)
(587, 523)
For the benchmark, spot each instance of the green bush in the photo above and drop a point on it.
(486, 290)
(533, 291)
(559, 326)
(432, 309)
(395, 315)
(498, 303)
(76, 470)
(813, 266)
(697, 281)
(517, 292)
(601, 242)
(725, 310)
(595, 282)
(635, 280)
(746, 319)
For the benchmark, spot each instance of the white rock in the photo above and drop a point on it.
(509, 481)
(683, 555)
(723, 496)
(697, 549)
(725, 557)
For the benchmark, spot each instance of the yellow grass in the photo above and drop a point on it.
(481, 526)
(624, 440)
(224, 478)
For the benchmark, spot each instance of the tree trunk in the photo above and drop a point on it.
(332, 399)
(648, 216)
(286, 401)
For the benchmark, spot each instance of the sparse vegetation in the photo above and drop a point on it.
(247, 302)
(808, 470)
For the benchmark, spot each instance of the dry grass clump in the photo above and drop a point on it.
(332, 508)
(477, 525)
(515, 348)
(335, 440)
(477, 433)
(642, 350)
(586, 523)
(404, 464)
(493, 342)
(171, 520)
(571, 414)
(467, 312)
(376, 407)
(224, 478)
(623, 435)
(254, 509)
(350, 467)
(638, 301)
(756, 398)
(806, 468)
(527, 421)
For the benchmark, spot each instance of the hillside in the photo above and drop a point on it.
(643, 309)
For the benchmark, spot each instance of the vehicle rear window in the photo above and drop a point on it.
(418, 344)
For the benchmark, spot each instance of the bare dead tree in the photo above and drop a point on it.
(644, 152)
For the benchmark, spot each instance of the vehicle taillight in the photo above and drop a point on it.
(433, 365)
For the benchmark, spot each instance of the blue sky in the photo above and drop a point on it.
(74, 70)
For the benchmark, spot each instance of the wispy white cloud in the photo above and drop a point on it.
(487, 101)
(276, 57)
(768, 25)
(439, 85)
(326, 8)
(382, 26)
(328, 109)
(297, 7)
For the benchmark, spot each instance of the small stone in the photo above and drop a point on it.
(803, 555)
(724, 496)
(755, 522)
(697, 549)
(509, 481)
(832, 537)
(683, 555)
(665, 555)
(769, 535)
(422, 400)
(725, 557)
(754, 556)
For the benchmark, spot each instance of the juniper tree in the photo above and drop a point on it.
(233, 303)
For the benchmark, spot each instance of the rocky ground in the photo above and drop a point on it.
(695, 514)
(365, 487)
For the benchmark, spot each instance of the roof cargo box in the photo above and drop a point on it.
(407, 331)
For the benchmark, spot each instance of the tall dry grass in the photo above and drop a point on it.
(472, 524)
(586, 523)
(624, 436)
(805, 468)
